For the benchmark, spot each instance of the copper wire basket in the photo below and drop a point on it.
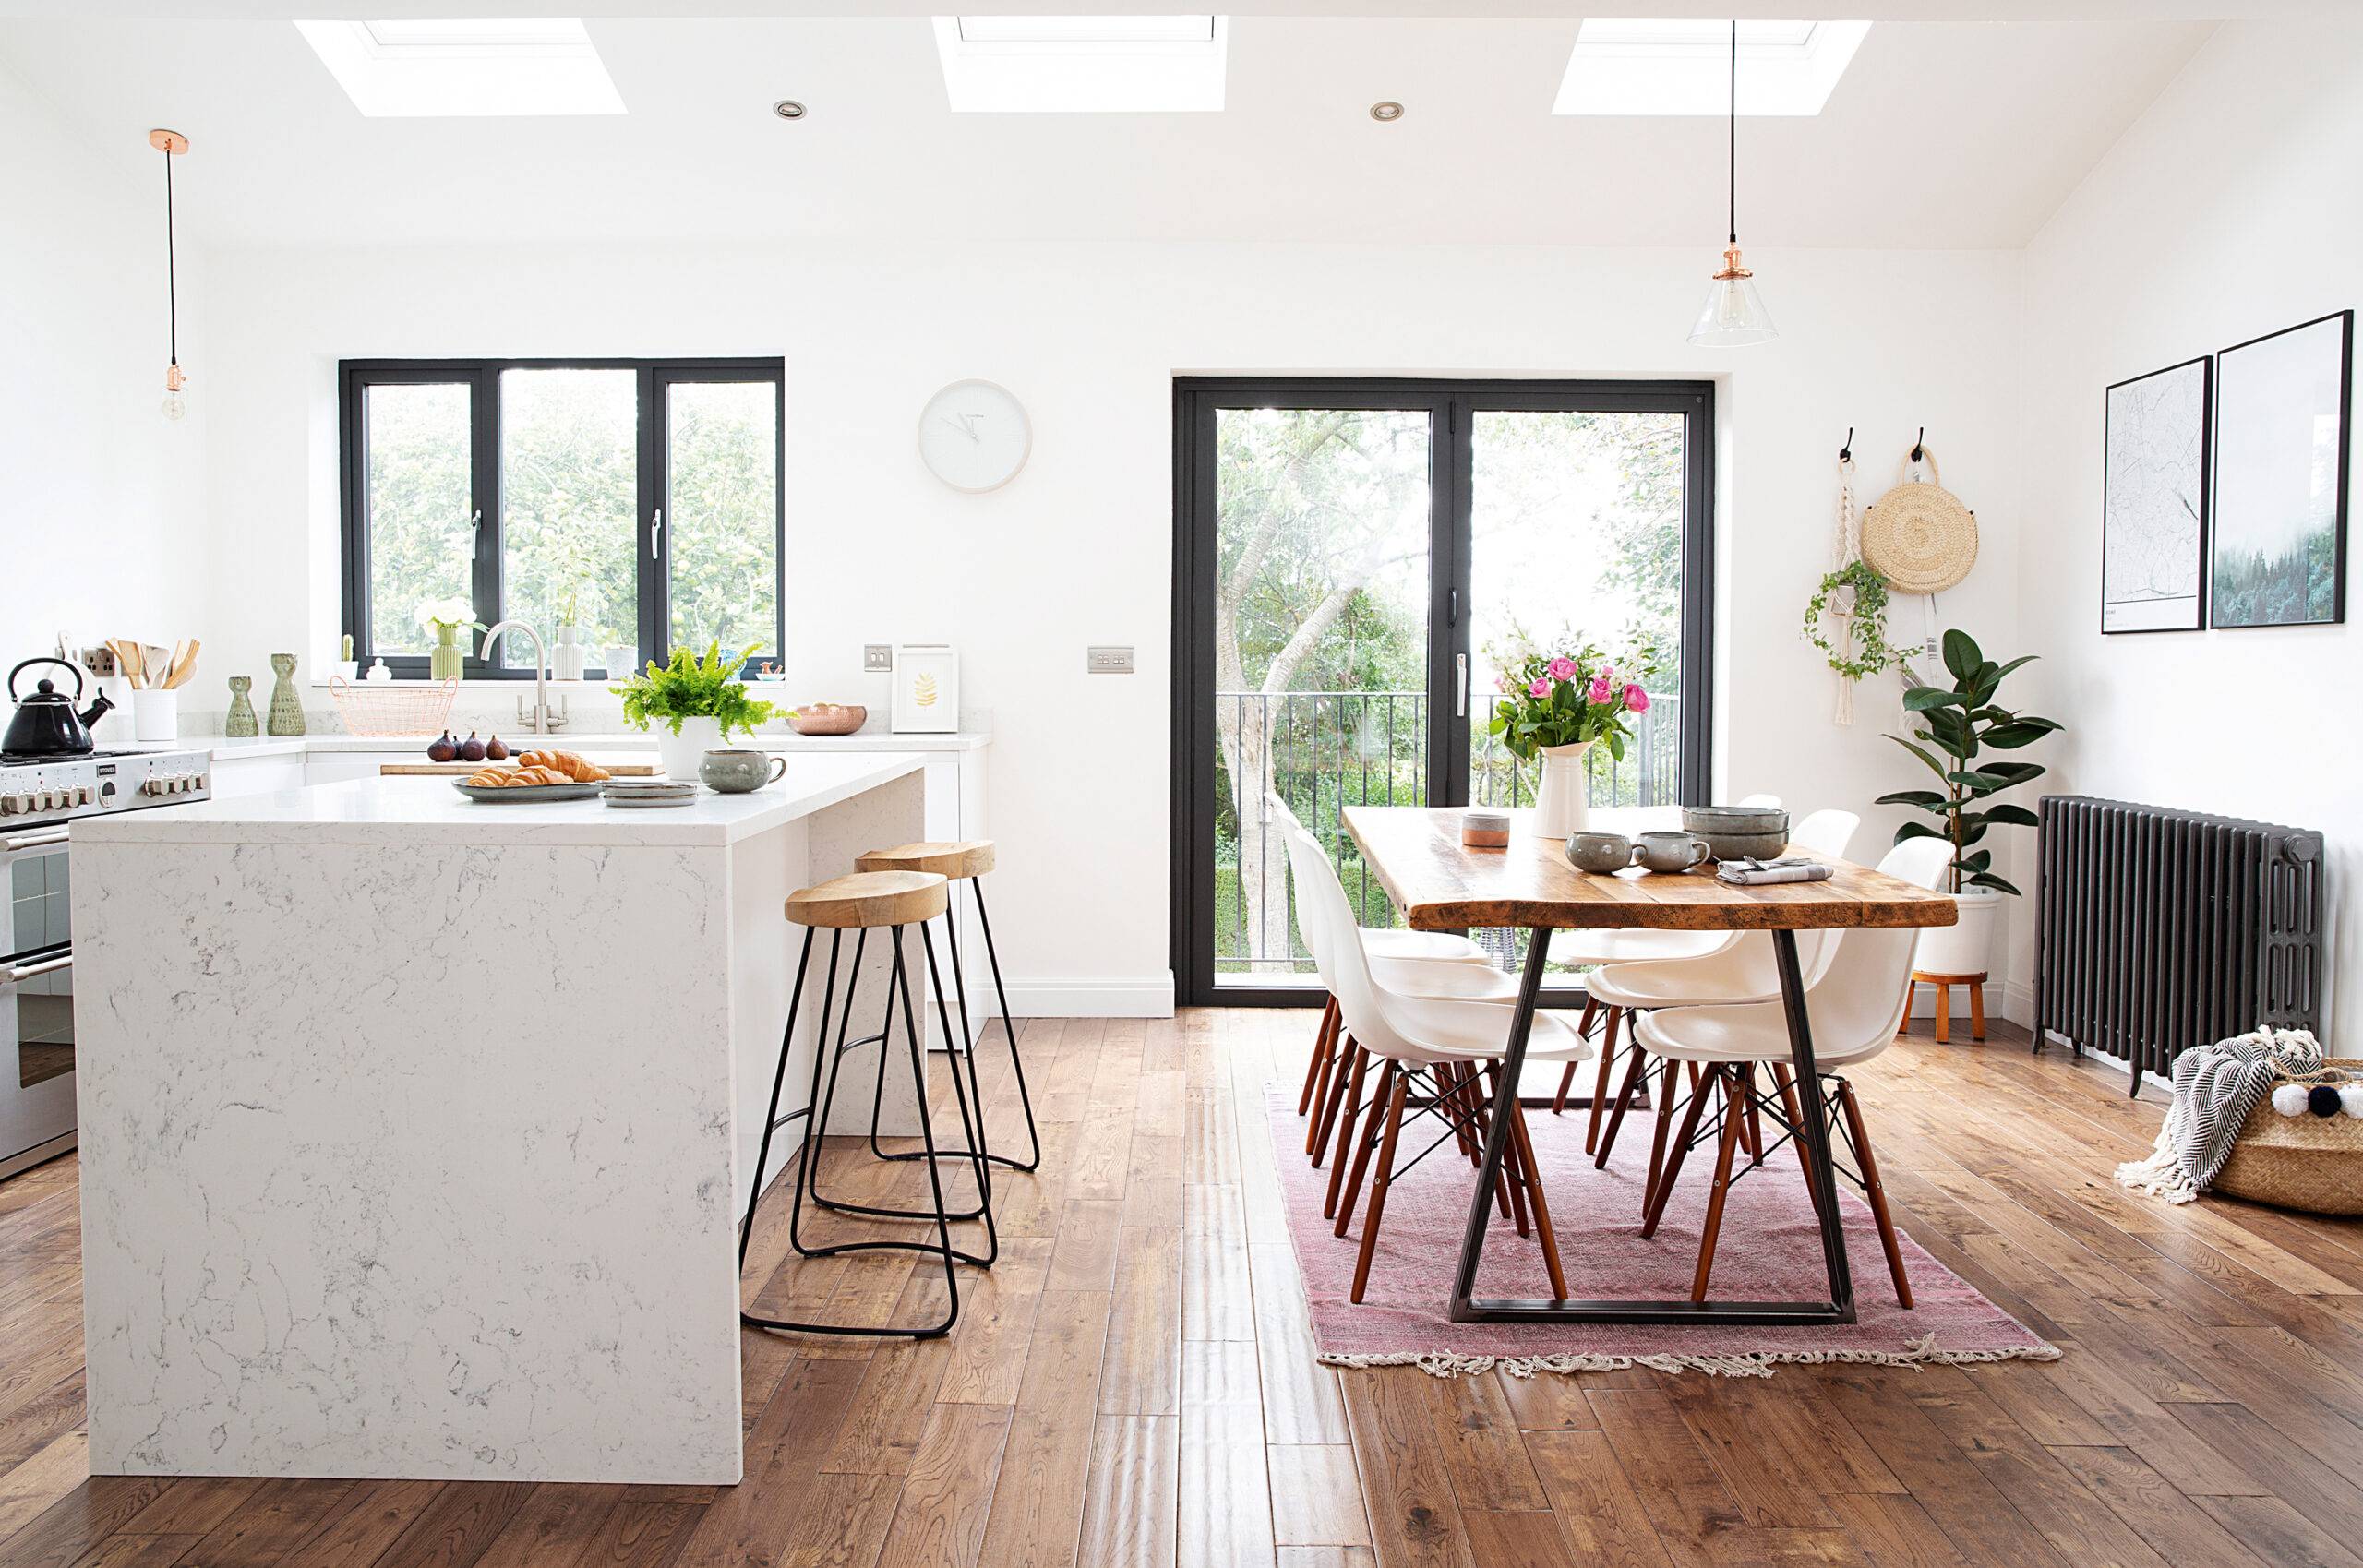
(388, 710)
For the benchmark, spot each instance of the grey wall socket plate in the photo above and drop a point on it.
(878, 656)
(1108, 661)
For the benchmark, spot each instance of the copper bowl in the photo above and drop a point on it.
(827, 718)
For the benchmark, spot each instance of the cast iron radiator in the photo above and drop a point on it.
(2157, 930)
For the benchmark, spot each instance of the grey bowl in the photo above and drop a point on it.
(1734, 832)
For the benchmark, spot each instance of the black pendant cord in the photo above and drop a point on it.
(172, 276)
(1734, 133)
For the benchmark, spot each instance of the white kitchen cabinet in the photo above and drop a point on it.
(236, 776)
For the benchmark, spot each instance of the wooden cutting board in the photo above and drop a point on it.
(462, 770)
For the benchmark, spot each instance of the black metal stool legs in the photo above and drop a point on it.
(898, 982)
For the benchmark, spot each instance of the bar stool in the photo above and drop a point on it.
(865, 902)
(965, 860)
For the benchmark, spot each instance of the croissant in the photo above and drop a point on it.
(574, 767)
(489, 778)
(542, 775)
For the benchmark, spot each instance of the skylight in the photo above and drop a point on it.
(466, 66)
(1667, 66)
(1082, 64)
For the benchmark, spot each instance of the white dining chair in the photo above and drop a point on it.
(1586, 950)
(1740, 969)
(1437, 1042)
(1397, 955)
(1854, 1007)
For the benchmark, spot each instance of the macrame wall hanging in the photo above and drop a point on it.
(1846, 618)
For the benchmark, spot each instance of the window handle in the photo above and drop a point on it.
(1461, 662)
(476, 522)
(656, 536)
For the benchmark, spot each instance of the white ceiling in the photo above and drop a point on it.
(1941, 135)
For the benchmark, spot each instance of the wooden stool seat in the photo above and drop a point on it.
(955, 859)
(870, 899)
(1975, 985)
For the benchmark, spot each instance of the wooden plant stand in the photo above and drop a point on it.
(1944, 983)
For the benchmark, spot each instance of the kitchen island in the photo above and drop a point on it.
(414, 1131)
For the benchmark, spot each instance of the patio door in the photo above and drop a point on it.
(1354, 561)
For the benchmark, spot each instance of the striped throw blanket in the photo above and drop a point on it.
(2215, 1088)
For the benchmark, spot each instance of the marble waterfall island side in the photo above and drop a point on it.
(414, 1131)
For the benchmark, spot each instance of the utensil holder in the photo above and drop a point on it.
(156, 715)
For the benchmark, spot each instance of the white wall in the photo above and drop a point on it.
(2226, 212)
(102, 513)
(1077, 550)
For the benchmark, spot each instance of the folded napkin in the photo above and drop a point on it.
(1750, 873)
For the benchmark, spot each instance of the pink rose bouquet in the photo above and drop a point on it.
(1568, 694)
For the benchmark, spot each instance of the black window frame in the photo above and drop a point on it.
(655, 379)
(1451, 404)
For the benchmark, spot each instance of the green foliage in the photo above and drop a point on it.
(2297, 586)
(1583, 696)
(1959, 724)
(1869, 618)
(692, 688)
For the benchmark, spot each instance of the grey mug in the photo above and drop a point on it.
(737, 773)
(1601, 853)
(1673, 852)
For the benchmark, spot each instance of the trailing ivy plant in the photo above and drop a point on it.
(694, 688)
(1871, 654)
(1960, 722)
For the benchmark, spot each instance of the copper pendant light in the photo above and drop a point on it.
(172, 144)
(1735, 314)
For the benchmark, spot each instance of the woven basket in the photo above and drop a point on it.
(1919, 536)
(2313, 1164)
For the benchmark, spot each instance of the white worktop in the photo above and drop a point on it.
(429, 810)
(224, 749)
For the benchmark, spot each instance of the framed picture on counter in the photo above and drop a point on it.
(927, 689)
(2155, 500)
(2281, 472)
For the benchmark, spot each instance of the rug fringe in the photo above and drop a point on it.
(1758, 1364)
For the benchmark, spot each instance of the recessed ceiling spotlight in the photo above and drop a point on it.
(788, 109)
(1386, 110)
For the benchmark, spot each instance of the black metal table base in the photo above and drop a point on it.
(1466, 1306)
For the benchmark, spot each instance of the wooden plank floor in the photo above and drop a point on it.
(1135, 1384)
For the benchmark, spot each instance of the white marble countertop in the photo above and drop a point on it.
(225, 749)
(429, 810)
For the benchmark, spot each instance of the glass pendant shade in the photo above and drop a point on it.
(1733, 314)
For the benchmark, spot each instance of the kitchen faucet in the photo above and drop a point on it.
(543, 721)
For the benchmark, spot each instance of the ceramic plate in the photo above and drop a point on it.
(518, 794)
(642, 802)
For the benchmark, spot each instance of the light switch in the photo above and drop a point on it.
(1108, 662)
(877, 658)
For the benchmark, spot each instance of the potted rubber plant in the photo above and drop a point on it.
(1960, 725)
(699, 701)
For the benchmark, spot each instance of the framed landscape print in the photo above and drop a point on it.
(2280, 517)
(2155, 500)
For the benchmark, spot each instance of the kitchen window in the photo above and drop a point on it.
(637, 500)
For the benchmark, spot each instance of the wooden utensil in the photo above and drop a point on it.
(154, 660)
(127, 659)
(184, 665)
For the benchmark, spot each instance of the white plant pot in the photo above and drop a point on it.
(566, 656)
(1564, 803)
(679, 754)
(1966, 947)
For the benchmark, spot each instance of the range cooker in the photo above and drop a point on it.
(40, 798)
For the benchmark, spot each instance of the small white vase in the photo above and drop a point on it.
(679, 754)
(566, 656)
(1564, 803)
(1966, 947)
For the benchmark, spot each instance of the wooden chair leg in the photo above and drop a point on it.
(1374, 1127)
(1636, 1065)
(1599, 1085)
(1505, 1197)
(1349, 1086)
(1352, 1061)
(1782, 1081)
(1669, 1083)
(1325, 1041)
(1531, 1176)
(1874, 1191)
(1744, 1081)
(1977, 1011)
(1457, 1105)
(1727, 1146)
(1674, 1157)
(1394, 1119)
(1567, 1079)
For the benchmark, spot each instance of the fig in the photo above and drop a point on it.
(472, 750)
(494, 751)
(442, 748)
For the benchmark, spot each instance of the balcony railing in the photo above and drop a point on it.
(1323, 751)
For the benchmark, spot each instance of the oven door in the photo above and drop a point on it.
(36, 1001)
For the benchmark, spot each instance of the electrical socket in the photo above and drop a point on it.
(1107, 661)
(877, 658)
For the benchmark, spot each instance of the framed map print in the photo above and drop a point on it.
(2155, 500)
(2280, 519)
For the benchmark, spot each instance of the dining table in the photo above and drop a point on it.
(1437, 883)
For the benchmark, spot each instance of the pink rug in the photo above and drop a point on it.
(1770, 1251)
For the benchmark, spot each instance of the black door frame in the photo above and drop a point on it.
(1450, 403)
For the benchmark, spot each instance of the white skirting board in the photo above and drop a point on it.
(1141, 996)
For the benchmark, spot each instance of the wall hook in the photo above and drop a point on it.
(1846, 452)
(1920, 447)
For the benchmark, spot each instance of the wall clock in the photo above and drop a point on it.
(974, 436)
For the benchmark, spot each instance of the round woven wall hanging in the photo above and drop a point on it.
(1918, 535)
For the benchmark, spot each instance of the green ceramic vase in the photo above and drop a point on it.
(241, 723)
(286, 707)
(447, 658)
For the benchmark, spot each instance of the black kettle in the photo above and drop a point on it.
(46, 723)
